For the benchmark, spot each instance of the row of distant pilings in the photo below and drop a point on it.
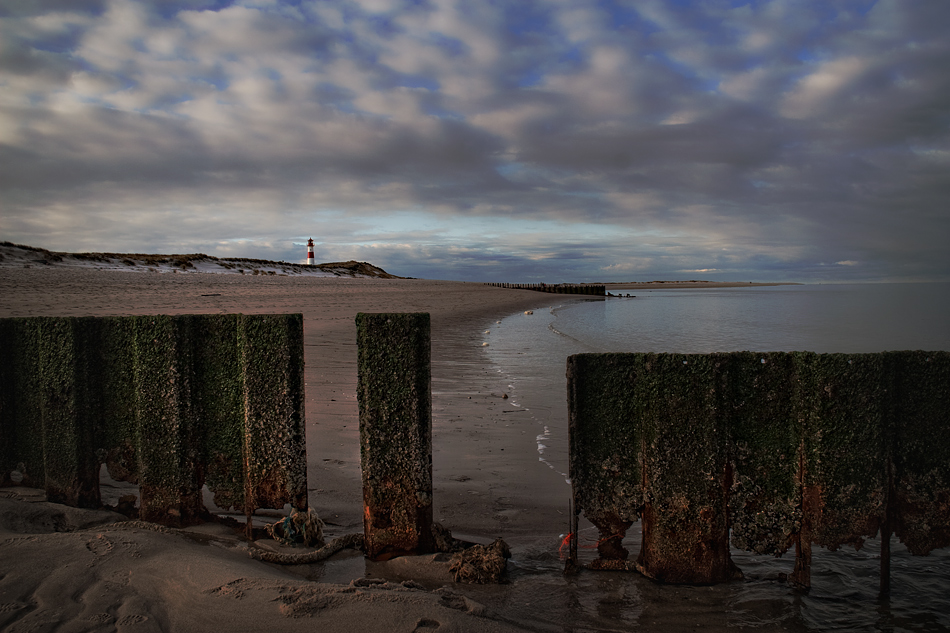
(562, 289)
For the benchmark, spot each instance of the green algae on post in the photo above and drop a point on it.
(167, 402)
(921, 453)
(605, 449)
(780, 448)
(647, 441)
(764, 435)
(274, 444)
(686, 471)
(394, 396)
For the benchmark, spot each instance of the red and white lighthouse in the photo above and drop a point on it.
(310, 252)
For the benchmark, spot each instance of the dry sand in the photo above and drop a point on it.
(61, 569)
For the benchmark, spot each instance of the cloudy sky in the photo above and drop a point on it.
(487, 140)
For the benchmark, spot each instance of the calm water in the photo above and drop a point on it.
(827, 318)
(529, 351)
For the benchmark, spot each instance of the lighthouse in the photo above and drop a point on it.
(310, 252)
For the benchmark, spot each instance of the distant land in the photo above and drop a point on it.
(692, 283)
(19, 256)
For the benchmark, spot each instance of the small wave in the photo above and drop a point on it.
(558, 332)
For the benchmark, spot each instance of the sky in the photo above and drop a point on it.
(487, 140)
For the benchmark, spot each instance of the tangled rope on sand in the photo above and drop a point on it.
(350, 540)
(136, 525)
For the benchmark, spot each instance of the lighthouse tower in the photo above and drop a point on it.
(310, 252)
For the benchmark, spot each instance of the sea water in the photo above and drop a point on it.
(530, 350)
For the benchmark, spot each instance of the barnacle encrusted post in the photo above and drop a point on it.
(843, 411)
(219, 398)
(686, 471)
(72, 476)
(921, 505)
(394, 396)
(648, 440)
(271, 349)
(21, 430)
(765, 436)
(169, 486)
(605, 449)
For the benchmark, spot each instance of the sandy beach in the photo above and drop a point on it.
(63, 573)
(65, 569)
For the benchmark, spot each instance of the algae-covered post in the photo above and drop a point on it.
(764, 436)
(394, 396)
(605, 451)
(275, 457)
(167, 402)
(920, 507)
(166, 421)
(781, 448)
(647, 440)
(842, 407)
(686, 470)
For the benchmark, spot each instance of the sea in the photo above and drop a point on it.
(529, 352)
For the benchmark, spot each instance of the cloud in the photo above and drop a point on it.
(756, 141)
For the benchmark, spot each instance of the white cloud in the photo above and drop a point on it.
(816, 90)
(787, 132)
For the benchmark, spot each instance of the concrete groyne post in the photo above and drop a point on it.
(764, 440)
(166, 421)
(921, 451)
(394, 396)
(606, 450)
(635, 421)
(170, 403)
(271, 358)
(843, 412)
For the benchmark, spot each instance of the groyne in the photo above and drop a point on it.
(765, 452)
(395, 405)
(171, 403)
(780, 450)
(598, 290)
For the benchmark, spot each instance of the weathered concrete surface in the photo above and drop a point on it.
(921, 452)
(782, 448)
(168, 402)
(841, 406)
(394, 397)
(685, 522)
(765, 498)
(274, 444)
(606, 452)
(635, 422)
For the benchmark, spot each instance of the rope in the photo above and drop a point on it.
(325, 552)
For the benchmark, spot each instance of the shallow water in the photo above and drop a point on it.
(529, 353)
